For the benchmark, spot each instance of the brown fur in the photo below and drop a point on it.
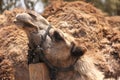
(91, 29)
(13, 49)
(85, 26)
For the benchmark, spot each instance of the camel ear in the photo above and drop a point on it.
(77, 51)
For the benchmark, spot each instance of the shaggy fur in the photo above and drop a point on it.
(13, 49)
(85, 26)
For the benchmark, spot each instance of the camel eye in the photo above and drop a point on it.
(57, 37)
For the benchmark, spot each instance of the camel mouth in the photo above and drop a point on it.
(24, 19)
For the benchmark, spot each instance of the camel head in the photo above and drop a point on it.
(58, 47)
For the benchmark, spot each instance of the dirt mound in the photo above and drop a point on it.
(91, 28)
(88, 25)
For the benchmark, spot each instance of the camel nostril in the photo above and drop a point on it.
(57, 37)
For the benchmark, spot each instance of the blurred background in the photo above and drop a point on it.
(112, 7)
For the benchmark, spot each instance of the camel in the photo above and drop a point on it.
(78, 41)
(90, 40)
(59, 48)
(13, 48)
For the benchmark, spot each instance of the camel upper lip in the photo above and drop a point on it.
(25, 19)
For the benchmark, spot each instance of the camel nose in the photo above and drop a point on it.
(24, 17)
